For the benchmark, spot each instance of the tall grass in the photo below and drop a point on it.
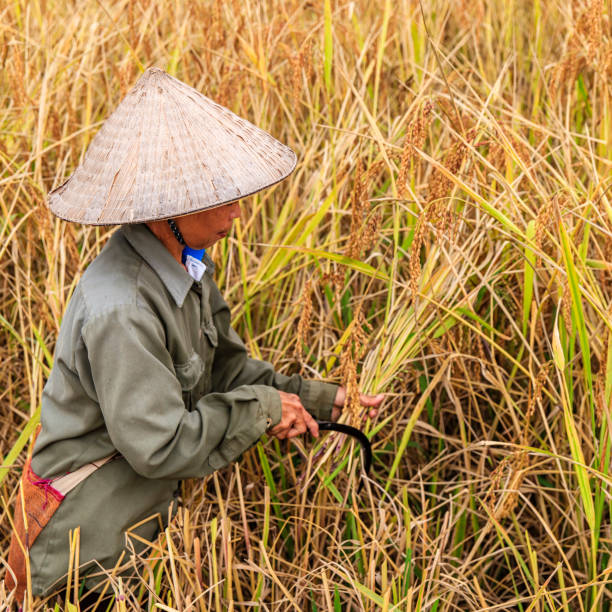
(449, 231)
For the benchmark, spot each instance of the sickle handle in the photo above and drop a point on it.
(366, 447)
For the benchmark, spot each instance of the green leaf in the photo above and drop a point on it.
(528, 275)
(337, 603)
(22, 440)
(313, 604)
(353, 264)
(377, 599)
(584, 485)
(577, 311)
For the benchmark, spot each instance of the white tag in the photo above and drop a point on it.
(195, 267)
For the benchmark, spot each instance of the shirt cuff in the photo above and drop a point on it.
(318, 398)
(270, 401)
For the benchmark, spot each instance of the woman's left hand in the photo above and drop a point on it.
(367, 401)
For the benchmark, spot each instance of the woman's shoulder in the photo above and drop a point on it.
(118, 278)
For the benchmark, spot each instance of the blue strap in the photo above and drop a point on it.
(195, 253)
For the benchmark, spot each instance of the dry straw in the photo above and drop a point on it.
(166, 151)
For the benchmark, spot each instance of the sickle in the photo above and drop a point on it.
(366, 447)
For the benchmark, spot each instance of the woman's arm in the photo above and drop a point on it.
(141, 400)
(233, 367)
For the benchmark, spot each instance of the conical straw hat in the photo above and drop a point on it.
(167, 151)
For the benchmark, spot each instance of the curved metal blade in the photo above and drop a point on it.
(366, 447)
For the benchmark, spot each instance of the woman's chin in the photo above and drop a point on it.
(201, 244)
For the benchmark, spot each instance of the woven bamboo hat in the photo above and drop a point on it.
(167, 151)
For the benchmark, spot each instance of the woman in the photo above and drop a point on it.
(150, 384)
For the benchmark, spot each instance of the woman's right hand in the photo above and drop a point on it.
(295, 420)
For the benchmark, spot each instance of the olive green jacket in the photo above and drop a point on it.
(146, 365)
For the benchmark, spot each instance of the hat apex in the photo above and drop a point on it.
(167, 150)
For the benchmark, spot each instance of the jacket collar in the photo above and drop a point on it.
(172, 274)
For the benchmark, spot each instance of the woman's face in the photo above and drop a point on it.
(201, 230)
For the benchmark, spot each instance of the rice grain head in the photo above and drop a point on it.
(16, 76)
(364, 227)
(585, 45)
(414, 257)
(603, 407)
(352, 352)
(304, 321)
(566, 305)
(535, 396)
(593, 31)
(438, 210)
(301, 68)
(543, 220)
(506, 481)
(414, 140)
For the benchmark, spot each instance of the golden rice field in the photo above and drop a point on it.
(445, 239)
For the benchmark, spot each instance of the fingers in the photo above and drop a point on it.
(302, 424)
(367, 401)
(295, 420)
(371, 400)
(312, 425)
(297, 429)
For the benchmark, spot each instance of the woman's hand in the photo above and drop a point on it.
(367, 401)
(295, 421)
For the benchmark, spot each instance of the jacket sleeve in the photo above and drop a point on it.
(141, 401)
(233, 367)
